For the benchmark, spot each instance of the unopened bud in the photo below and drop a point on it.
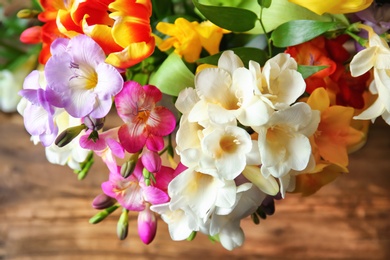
(127, 168)
(27, 14)
(192, 236)
(255, 218)
(151, 161)
(102, 201)
(122, 228)
(103, 214)
(68, 135)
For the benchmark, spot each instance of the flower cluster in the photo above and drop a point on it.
(263, 107)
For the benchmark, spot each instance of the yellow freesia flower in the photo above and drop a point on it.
(188, 38)
(333, 6)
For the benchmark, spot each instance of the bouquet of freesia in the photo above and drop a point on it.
(260, 98)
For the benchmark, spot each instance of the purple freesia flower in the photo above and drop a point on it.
(38, 112)
(146, 123)
(132, 193)
(376, 16)
(77, 73)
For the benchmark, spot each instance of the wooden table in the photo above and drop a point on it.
(45, 210)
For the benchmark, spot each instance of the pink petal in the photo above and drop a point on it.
(132, 137)
(161, 121)
(155, 195)
(153, 94)
(155, 143)
(147, 225)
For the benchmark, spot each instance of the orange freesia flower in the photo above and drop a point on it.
(333, 6)
(334, 134)
(188, 38)
(330, 144)
(48, 32)
(121, 28)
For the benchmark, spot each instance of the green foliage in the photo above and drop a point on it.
(299, 31)
(230, 18)
(172, 76)
(307, 71)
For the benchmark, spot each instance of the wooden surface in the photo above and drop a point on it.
(44, 212)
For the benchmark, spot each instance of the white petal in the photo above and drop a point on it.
(229, 61)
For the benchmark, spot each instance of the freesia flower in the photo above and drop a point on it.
(227, 94)
(376, 56)
(80, 77)
(226, 150)
(283, 142)
(333, 6)
(334, 133)
(188, 38)
(132, 193)
(107, 146)
(227, 226)
(279, 83)
(145, 123)
(36, 108)
(201, 192)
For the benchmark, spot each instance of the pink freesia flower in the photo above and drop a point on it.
(146, 123)
(78, 74)
(107, 147)
(132, 193)
(147, 225)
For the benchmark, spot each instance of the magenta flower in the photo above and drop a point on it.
(147, 225)
(132, 193)
(78, 74)
(107, 147)
(146, 123)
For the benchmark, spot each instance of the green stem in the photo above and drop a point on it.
(265, 33)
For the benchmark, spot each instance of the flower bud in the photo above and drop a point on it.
(68, 135)
(151, 161)
(103, 214)
(127, 168)
(192, 236)
(122, 228)
(147, 225)
(102, 201)
(27, 14)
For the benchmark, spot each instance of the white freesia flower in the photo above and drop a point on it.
(279, 83)
(377, 56)
(180, 222)
(201, 192)
(11, 81)
(283, 141)
(226, 150)
(227, 94)
(227, 226)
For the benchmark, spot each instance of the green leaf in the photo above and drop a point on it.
(245, 53)
(299, 31)
(227, 17)
(172, 76)
(307, 71)
(264, 3)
